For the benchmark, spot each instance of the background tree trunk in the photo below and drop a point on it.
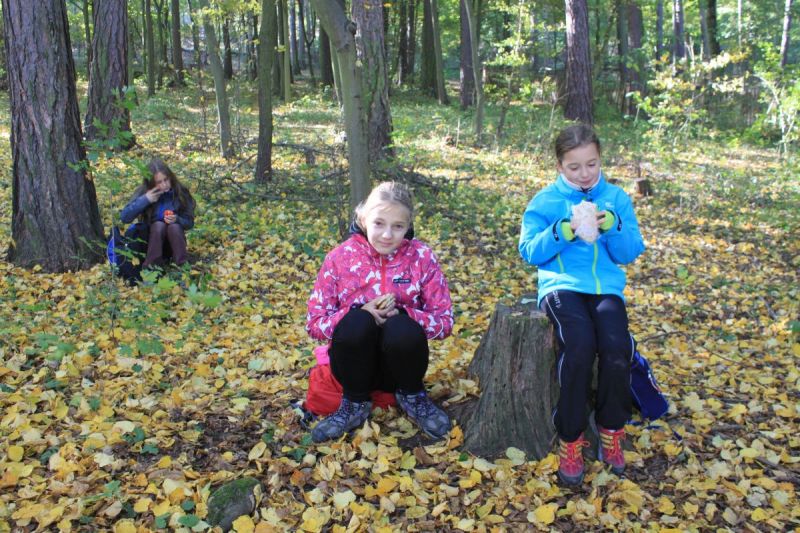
(325, 64)
(195, 36)
(151, 49)
(223, 109)
(579, 105)
(55, 222)
(163, 60)
(252, 50)
(441, 92)
(635, 37)
(177, 47)
(473, 9)
(87, 19)
(342, 34)
(427, 80)
(713, 31)
(226, 41)
(412, 40)
(267, 40)
(308, 35)
(402, 42)
(467, 80)
(108, 79)
(295, 50)
(705, 37)
(679, 48)
(622, 41)
(515, 365)
(286, 72)
(368, 16)
(787, 25)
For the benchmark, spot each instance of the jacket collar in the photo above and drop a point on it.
(567, 190)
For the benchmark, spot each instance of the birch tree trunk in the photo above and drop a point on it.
(55, 222)
(787, 25)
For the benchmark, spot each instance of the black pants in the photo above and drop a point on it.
(367, 357)
(589, 325)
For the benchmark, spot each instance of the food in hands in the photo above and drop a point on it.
(168, 213)
(585, 217)
(385, 301)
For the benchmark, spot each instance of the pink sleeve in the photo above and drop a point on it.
(436, 314)
(323, 304)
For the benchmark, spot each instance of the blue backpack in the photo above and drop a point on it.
(645, 392)
(121, 249)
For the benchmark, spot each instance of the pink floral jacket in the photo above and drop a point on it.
(354, 273)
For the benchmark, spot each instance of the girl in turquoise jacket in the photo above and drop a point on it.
(581, 291)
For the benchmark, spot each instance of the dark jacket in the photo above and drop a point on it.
(140, 206)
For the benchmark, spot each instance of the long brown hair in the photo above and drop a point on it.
(157, 166)
(574, 137)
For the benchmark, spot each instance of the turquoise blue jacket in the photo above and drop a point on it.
(574, 265)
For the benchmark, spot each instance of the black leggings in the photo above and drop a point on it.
(589, 325)
(367, 357)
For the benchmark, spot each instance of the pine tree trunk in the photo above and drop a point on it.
(177, 47)
(713, 31)
(787, 25)
(151, 49)
(659, 29)
(88, 33)
(679, 50)
(267, 39)
(441, 92)
(515, 365)
(108, 79)
(342, 34)
(368, 16)
(467, 80)
(55, 221)
(704, 35)
(579, 104)
(427, 80)
(226, 41)
(325, 64)
(217, 70)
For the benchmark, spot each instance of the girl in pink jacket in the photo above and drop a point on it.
(378, 298)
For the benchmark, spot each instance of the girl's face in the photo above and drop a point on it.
(581, 165)
(386, 225)
(162, 182)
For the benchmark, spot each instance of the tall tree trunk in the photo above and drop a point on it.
(88, 33)
(252, 56)
(309, 35)
(325, 64)
(151, 49)
(427, 80)
(704, 34)
(622, 50)
(294, 50)
(441, 92)
(342, 33)
(579, 104)
(635, 37)
(679, 49)
(472, 11)
(108, 79)
(195, 36)
(177, 47)
(226, 40)
(267, 40)
(301, 36)
(787, 25)
(402, 42)
(368, 16)
(713, 31)
(162, 43)
(55, 221)
(286, 73)
(412, 40)
(217, 70)
(659, 29)
(466, 75)
(337, 78)
(739, 22)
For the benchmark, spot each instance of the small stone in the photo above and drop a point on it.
(231, 501)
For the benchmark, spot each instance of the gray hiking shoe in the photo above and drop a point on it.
(430, 418)
(349, 416)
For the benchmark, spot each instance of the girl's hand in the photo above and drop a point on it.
(153, 194)
(171, 219)
(381, 308)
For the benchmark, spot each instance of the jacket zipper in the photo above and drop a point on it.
(383, 276)
(594, 270)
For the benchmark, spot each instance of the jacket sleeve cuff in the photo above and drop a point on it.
(608, 221)
(566, 230)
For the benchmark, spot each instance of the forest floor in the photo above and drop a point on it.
(125, 407)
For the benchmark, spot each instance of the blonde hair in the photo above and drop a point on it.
(388, 191)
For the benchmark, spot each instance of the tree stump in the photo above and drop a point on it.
(515, 364)
(643, 187)
(233, 500)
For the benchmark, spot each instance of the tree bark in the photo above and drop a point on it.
(226, 41)
(368, 16)
(579, 105)
(515, 365)
(308, 35)
(177, 47)
(252, 50)
(704, 34)
(713, 31)
(195, 36)
(441, 92)
(473, 9)
(107, 119)
(427, 80)
(55, 221)
(217, 70)
(787, 25)
(402, 41)
(635, 37)
(679, 49)
(151, 49)
(467, 79)
(162, 43)
(295, 50)
(88, 33)
(622, 49)
(412, 40)
(267, 40)
(325, 62)
(342, 34)
(286, 73)
(659, 29)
